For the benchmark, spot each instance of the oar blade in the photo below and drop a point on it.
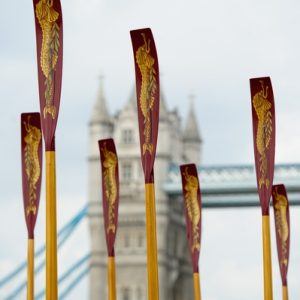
(49, 41)
(192, 208)
(263, 120)
(110, 191)
(31, 157)
(147, 91)
(282, 225)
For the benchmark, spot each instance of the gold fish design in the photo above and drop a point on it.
(109, 175)
(192, 206)
(47, 17)
(262, 108)
(148, 89)
(32, 163)
(280, 206)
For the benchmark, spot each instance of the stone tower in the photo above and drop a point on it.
(175, 275)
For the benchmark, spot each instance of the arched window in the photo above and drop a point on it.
(140, 240)
(126, 240)
(139, 293)
(126, 294)
(127, 136)
(127, 171)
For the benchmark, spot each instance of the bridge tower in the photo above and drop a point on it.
(175, 272)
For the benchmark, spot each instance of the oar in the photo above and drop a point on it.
(31, 154)
(49, 41)
(147, 90)
(263, 117)
(282, 226)
(192, 208)
(110, 203)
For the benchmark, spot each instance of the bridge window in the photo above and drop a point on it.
(125, 294)
(126, 241)
(127, 171)
(127, 136)
(140, 240)
(139, 293)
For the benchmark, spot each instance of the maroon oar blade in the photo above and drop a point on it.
(147, 91)
(192, 208)
(110, 191)
(282, 225)
(49, 41)
(31, 154)
(263, 117)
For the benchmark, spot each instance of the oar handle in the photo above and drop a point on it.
(285, 292)
(111, 278)
(268, 286)
(152, 266)
(51, 231)
(30, 269)
(197, 289)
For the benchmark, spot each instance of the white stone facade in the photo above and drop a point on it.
(175, 145)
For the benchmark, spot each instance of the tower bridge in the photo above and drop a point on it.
(235, 185)
(222, 187)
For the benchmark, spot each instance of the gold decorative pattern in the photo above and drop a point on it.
(110, 185)
(47, 17)
(192, 205)
(149, 86)
(32, 163)
(282, 226)
(262, 108)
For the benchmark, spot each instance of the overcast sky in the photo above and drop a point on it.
(210, 48)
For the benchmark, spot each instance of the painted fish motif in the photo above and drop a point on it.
(282, 223)
(47, 17)
(148, 89)
(192, 206)
(32, 163)
(110, 184)
(262, 108)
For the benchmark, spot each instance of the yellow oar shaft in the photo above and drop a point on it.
(51, 243)
(152, 267)
(30, 269)
(197, 290)
(111, 278)
(268, 286)
(285, 292)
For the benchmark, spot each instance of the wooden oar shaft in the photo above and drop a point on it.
(268, 286)
(111, 278)
(197, 290)
(30, 269)
(285, 292)
(152, 266)
(51, 240)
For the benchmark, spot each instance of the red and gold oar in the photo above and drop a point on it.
(110, 203)
(147, 90)
(31, 154)
(282, 226)
(192, 208)
(263, 117)
(49, 41)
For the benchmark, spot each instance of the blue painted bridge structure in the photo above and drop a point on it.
(221, 187)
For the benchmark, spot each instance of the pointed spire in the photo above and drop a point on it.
(163, 108)
(132, 97)
(100, 112)
(191, 132)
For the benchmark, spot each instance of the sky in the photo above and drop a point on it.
(209, 48)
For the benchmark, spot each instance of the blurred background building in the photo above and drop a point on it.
(176, 144)
(84, 272)
(205, 52)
